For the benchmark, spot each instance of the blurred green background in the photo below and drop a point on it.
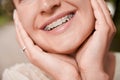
(6, 17)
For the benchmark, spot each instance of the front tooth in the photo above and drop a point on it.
(58, 22)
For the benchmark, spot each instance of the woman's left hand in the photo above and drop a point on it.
(93, 55)
(58, 67)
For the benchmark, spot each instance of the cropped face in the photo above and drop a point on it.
(57, 26)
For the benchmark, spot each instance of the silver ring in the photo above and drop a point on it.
(23, 49)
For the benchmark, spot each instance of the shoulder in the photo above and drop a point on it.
(24, 71)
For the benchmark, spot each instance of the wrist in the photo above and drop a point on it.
(95, 75)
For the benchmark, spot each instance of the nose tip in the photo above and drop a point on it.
(49, 6)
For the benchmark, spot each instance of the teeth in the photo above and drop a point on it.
(58, 22)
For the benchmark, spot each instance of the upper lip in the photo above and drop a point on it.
(54, 18)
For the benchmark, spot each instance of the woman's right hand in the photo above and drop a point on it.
(59, 67)
(94, 60)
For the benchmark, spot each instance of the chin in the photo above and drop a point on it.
(62, 50)
(70, 51)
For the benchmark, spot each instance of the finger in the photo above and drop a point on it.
(17, 35)
(19, 39)
(98, 12)
(101, 24)
(108, 18)
(98, 41)
(106, 12)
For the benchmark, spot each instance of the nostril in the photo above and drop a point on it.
(49, 7)
(50, 10)
(55, 7)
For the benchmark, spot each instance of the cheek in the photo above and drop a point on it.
(27, 18)
(79, 3)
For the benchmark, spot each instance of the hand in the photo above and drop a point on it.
(59, 67)
(93, 55)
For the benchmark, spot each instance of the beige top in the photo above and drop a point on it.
(27, 71)
(24, 71)
(117, 71)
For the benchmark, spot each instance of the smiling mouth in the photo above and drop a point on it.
(58, 22)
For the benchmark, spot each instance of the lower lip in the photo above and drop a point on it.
(60, 29)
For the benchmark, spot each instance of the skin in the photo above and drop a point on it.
(43, 10)
(91, 58)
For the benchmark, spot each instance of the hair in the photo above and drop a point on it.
(8, 6)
